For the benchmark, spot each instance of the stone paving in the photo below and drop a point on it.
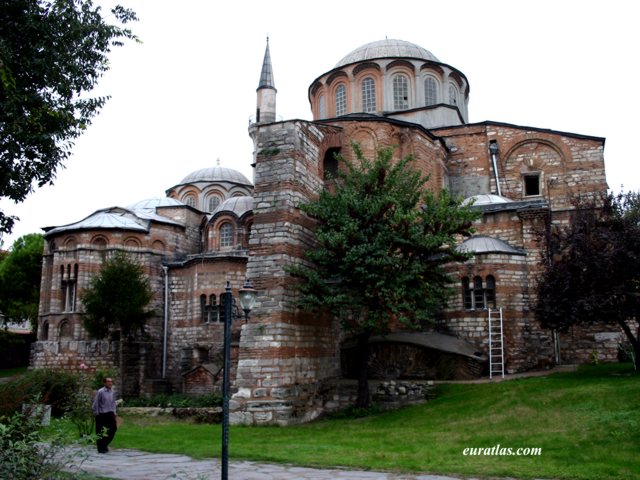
(135, 465)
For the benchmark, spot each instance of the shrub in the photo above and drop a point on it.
(53, 387)
(26, 455)
(177, 401)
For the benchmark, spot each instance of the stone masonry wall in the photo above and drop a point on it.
(284, 354)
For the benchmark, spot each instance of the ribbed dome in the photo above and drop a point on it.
(153, 203)
(486, 199)
(236, 205)
(216, 174)
(484, 244)
(385, 49)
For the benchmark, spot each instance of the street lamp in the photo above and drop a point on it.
(247, 300)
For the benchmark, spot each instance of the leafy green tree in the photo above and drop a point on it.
(593, 274)
(52, 53)
(117, 298)
(382, 240)
(20, 275)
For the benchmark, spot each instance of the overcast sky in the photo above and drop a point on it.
(183, 98)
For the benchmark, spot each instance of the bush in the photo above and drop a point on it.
(53, 387)
(26, 455)
(176, 400)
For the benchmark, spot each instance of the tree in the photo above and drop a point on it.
(52, 53)
(593, 274)
(382, 240)
(20, 275)
(117, 298)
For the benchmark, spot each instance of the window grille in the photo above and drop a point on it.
(430, 91)
(400, 92)
(341, 100)
(368, 95)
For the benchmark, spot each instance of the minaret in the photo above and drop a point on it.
(266, 101)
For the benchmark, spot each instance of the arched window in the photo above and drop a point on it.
(453, 95)
(44, 333)
(226, 235)
(68, 287)
(322, 107)
(64, 331)
(368, 95)
(341, 100)
(214, 201)
(330, 163)
(467, 296)
(210, 312)
(190, 201)
(400, 92)
(203, 308)
(478, 293)
(430, 91)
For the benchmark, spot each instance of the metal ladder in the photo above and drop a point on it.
(496, 343)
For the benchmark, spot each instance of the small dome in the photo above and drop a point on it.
(387, 49)
(484, 244)
(153, 203)
(237, 205)
(216, 174)
(486, 199)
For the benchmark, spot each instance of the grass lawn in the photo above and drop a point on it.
(587, 424)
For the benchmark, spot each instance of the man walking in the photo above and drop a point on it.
(104, 408)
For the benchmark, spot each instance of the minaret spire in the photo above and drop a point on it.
(266, 101)
(266, 76)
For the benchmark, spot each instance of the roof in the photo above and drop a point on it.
(237, 205)
(266, 75)
(116, 218)
(480, 244)
(153, 203)
(216, 174)
(107, 218)
(385, 49)
(486, 199)
(435, 340)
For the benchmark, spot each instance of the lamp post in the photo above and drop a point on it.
(247, 300)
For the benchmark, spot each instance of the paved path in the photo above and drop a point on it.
(135, 465)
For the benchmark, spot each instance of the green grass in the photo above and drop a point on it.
(586, 422)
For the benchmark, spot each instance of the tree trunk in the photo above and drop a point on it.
(364, 399)
(634, 340)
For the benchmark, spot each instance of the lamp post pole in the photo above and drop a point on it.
(225, 381)
(247, 300)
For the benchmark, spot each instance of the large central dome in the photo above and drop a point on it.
(387, 48)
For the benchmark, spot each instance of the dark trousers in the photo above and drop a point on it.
(105, 421)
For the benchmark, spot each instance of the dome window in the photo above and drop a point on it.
(341, 100)
(400, 92)
(323, 107)
(430, 91)
(368, 95)
(226, 235)
(213, 203)
(453, 95)
(190, 201)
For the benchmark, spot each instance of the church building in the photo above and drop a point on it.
(215, 226)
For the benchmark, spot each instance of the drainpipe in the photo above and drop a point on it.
(493, 149)
(165, 269)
